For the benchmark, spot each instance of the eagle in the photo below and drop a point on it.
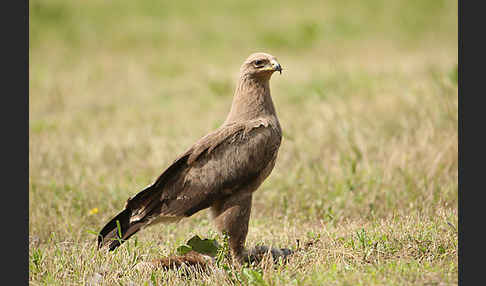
(221, 171)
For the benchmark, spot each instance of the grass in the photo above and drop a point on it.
(368, 163)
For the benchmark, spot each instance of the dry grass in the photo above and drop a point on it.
(368, 163)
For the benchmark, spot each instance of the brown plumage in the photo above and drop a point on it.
(220, 171)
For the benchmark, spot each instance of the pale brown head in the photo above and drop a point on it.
(261, 65)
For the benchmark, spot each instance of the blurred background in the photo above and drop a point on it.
(367, 102)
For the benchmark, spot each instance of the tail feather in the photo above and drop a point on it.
(110, 234)
(146, 204)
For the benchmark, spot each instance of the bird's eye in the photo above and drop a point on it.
(259, 63)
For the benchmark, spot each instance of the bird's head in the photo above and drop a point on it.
(260, 65)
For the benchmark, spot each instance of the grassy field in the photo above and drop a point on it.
(368, 166)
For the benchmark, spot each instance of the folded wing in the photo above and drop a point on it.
(218, 165)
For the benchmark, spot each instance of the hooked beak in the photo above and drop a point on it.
(276, 66)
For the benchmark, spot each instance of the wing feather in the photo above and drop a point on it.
(216, 166)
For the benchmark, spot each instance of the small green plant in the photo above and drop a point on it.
(37, 258)
(204, 246)
(253, 276)
(223, 251)
(363, 239)
(153, 278)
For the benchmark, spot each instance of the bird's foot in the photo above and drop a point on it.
(258, 253)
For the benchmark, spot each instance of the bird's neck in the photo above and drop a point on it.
(251, 100)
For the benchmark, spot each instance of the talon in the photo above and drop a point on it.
(256, 254)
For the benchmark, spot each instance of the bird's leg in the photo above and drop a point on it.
(231, 216)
